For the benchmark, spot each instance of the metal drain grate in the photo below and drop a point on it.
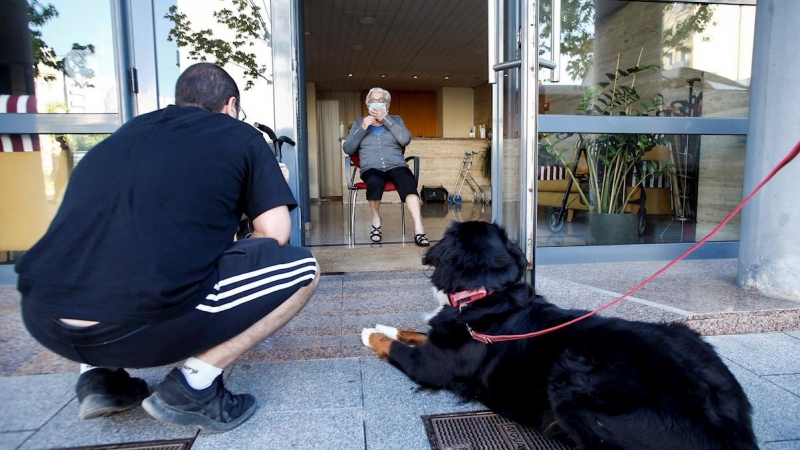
(484, 430)
(175, 444)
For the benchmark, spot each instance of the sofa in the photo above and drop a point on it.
(552, 185)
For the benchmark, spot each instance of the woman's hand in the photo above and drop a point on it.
(378, 114)
(369, 120)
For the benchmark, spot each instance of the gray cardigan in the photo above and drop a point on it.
(384, 152)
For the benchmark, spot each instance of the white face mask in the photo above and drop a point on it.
(377, 106)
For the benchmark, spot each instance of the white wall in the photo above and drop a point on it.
(454, 108)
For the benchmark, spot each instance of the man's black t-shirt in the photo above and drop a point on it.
(146, 214)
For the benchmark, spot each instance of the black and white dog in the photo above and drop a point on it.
(605, 383)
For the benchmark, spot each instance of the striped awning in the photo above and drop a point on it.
(17, 104)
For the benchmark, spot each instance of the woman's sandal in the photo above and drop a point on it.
(375, 235)
(421, 240)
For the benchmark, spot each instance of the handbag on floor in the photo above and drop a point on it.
(434, 194)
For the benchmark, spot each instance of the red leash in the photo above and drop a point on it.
(489, 339)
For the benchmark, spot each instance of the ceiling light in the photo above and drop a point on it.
(307, 33)
(367, 20)
(415, 77)
(358, 47)
(446, 78)
(349, 74)
(383, 76)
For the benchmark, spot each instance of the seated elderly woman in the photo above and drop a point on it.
(379, 140)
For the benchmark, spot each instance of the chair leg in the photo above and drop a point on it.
(353, 194)
(403, 218)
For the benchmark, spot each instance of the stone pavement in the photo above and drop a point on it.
(319, 388)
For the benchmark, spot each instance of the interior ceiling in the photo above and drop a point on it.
(432, 40)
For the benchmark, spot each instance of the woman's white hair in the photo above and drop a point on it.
(383, 91)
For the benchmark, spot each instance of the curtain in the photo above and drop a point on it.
(330, 158)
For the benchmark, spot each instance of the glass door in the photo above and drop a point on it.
(289, 99)
(513, 46)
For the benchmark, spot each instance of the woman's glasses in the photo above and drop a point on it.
(378, 100)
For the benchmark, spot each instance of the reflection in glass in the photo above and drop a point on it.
(33, 183)
(700, 50)
(62, 54)
(698, 182)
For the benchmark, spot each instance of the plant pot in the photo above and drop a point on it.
(612, 229)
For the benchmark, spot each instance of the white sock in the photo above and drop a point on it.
(88, 367)
(199, 374)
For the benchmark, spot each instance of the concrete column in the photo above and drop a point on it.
(769, 243)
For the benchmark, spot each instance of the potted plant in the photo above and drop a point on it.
(614, 162)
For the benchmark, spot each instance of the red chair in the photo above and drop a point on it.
(352, 166)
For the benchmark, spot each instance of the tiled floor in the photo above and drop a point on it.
(329, 225)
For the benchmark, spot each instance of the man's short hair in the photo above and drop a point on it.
(205, 85)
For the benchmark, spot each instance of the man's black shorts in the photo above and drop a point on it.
(255, 277)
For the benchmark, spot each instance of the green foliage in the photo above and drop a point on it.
(244, 19)
(675, 38)
(38, 16)
(80, 143)
(577, 32)
(613, 158)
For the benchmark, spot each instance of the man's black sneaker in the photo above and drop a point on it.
(102, 392)
(212, 409)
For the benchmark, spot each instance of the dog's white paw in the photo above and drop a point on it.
(387, 330)
(365, 334)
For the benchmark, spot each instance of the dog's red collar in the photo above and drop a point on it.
(464, 298)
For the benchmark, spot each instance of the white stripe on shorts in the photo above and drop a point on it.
(258, 294)
(255, 284)
(255, 273)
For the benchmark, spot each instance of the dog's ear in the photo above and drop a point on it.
(509, 260)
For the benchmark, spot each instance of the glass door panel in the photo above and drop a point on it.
(514, 113)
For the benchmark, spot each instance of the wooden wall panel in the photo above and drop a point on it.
(417, 108)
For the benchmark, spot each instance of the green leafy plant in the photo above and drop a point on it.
(613, 159)
(244, 19)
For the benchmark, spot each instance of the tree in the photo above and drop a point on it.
(247, 23)
(577, 32)
(73, 65)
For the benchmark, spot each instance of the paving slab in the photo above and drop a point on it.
(12, 440)
(300, 385)
(28, 402)
(65, 429)
(763, 354)
(776, 413)
(393, 406)
(323, 429)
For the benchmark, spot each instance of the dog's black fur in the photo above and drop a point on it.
(606, 383)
